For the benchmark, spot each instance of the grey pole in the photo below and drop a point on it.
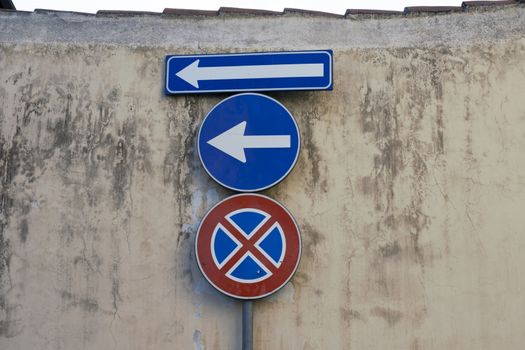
(247, 325)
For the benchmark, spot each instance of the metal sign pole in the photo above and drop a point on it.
(247, 325)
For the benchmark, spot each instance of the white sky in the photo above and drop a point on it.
(334, 6)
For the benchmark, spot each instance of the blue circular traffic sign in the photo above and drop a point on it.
(248, 142)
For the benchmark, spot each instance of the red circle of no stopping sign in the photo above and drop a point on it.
(248, 246)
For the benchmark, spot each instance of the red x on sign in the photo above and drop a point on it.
(248, 246)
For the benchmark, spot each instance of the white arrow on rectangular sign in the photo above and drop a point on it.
(265, 71)
(193, 73)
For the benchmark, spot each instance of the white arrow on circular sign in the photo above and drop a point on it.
(248, 142)
(233, 141)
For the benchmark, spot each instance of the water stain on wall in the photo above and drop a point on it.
(86, 304)
(311, 238)
(389, 315)
(13, 159)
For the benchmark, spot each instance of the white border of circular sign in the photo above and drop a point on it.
(260, 188)
(291, 274)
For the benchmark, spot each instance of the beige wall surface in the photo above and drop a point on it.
(409, 190)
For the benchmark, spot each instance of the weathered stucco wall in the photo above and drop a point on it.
(409, 190)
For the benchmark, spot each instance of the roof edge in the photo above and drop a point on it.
(246, 11)
(353, 14)
(310, 13)
(189, 12)
(431, 9)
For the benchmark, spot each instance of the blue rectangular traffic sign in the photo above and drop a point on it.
(264, 71)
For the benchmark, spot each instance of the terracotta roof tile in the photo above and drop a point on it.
(187, 12)
(309, 13)
(350, 12)
(14, 11)
(243, 11)
(489, 3)
(7, 5)
(431, 9)
(125, 13)
(51, 12)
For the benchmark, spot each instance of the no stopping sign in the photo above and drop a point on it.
(248, 246)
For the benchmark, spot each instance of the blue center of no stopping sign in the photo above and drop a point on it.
(263, 251)
(248, 142)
